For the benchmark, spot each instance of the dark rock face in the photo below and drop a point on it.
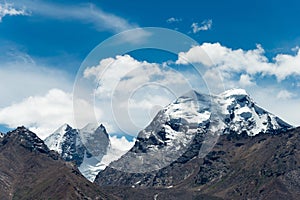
(265, 166)
(85, 147)
(172, 131)
(29, 170)
(187, 130)
(66, 142)
(26, 139)
(73, 144)
(96, 140)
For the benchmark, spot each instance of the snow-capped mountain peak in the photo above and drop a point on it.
(90, 127)
(200, 116)
(86, 146)
(242, 114)
(54, 142)
(234, 92)
(95, 139)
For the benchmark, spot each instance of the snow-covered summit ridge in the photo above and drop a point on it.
(234, 108)
(232, 111)
(234, 92)
(196, 117)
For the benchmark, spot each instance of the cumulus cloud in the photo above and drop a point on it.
(173, 19)
(133, 89)
(124, 73)
(29, 97)
(23, 77)
(7, 9)
(204, 26)
(246, 80)
(250, 69)
(253, 62)
(42, 114)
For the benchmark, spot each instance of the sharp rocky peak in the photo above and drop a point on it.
(84, 146)
(27, 139)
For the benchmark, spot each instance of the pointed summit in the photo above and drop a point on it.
(27, 139)
(85, 146)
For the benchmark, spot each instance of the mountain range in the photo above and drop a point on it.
(200, 117)
(198, 147)
(29, 170)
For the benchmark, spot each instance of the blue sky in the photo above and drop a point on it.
(43, 43)
(236, 24)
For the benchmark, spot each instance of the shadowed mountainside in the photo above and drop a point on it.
(29, 170)
(265, 166)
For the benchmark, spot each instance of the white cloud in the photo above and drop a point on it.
(23, 77)
(87, 13)
(253, 70)
(7, 9)
(246, 80)
(173, 19)
(124, 73)
(121, 144)
(252, 62)
(194, 55)
(296, 48)
(42, 114)
(204, 26)
(132, 89)
(23, 85)
(284, 94)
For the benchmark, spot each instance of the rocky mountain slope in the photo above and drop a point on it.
(29, 170)
(91, 148)
(238, 167)
(199, 147)
(198, 117)
(86, 147)
(200, 142)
